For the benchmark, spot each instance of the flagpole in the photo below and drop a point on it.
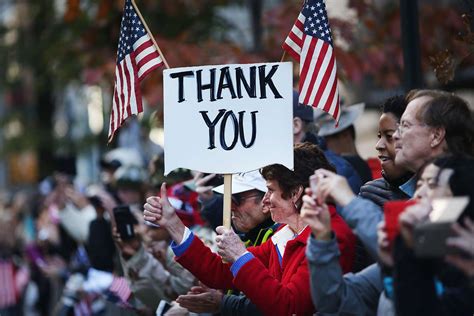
(283, 56)
(151, 35)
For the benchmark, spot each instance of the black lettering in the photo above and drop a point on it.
(250, 88)
(267, 80)
(210, 86)
(211, 126)
(225, 75)
(223, 127)
(254, 128)
(180, 76)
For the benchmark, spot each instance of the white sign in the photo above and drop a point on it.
(228, 118)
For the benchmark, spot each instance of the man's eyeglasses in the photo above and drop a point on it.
(405, 126)
(239, 199)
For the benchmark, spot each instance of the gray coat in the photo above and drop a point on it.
(336, 294)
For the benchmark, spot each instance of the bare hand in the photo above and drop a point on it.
(317, 217)
(108, 202)
(127, 248)
(384, 249)
(158, 249)
(158, 210)
(77, 198)
(201, 299)
(55, 266)
(229, 245)
(176, 310)
(412, 216)
(465, 242)
(334, 186)
(204, 191)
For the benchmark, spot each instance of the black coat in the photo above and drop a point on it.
(415, 289)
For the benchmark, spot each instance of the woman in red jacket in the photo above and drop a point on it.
(274, 276)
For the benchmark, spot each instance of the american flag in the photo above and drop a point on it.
(310, 43)
(119, 291)
(8, 295)
(136, 57)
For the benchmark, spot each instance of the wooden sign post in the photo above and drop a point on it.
(227, 200)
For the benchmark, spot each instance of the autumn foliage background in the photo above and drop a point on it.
(46, 49)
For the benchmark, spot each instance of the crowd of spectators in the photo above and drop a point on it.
(337, 235)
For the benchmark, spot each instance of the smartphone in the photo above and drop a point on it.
(313, 184)
(124, 220)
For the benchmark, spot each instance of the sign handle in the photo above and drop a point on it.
(227, 200)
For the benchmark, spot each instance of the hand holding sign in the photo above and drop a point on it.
(229, 245)
(158, 210)
(238, 118)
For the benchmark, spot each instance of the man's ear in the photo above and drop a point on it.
(297, 125)
(438, 135)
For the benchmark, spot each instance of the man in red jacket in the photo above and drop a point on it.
(274, 275)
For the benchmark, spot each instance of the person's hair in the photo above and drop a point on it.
(307, 158)
(462, 178)
(395, 105)
(352, 131)
(418, 93)
(453, 114)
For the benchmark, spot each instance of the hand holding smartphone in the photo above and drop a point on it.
(313, 184)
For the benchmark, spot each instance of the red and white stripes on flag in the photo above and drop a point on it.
(120, 289)
(310, 42)
(8, 293)
(137, 56)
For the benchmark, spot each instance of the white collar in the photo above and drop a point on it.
(281, 237)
